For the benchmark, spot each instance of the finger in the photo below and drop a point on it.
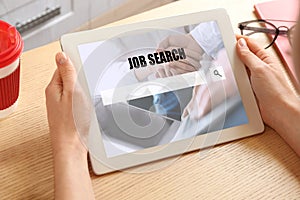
(194, 64)
(66, 71)
(181, 67)
(192, 57)
(249, 57)
(54, 88)
(190, 53)
(259, 51)
(185, 112)
(179, 71)
(174, 40)
(173, 72)
(237, 36)
(188, 108)
(204, 106)
(56, 79)
(167, 70)
(199, 102)
(192, 102)
(160, 73)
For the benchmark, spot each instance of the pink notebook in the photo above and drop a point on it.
(282, 10)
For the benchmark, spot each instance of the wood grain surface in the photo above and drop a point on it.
(258, 167)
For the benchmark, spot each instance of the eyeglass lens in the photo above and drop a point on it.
(260, 31)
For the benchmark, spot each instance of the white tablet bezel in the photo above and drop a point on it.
(103, 164)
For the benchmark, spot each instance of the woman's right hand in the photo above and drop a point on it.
(270, 85)
(278, 102)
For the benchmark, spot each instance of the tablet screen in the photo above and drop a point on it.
(157, 86)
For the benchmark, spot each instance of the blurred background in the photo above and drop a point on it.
(44, 21)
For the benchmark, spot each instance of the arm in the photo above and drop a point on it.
(209, 37)
(278, 103)
(71, 175)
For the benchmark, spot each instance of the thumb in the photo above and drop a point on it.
(250, 59)
(185, 111)
(66, 71)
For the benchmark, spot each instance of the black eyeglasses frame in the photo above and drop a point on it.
(276, 31)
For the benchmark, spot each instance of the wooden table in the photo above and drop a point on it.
(262, 166)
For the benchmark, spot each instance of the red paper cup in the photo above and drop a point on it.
(11, 46)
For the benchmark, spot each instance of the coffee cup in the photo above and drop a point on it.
(11, 47)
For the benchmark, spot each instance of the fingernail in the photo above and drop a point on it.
(63, 58)
(242, 43)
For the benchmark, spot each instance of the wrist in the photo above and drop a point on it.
(291, 118)
(67, 145)
(68, 157)
(289, 128)
(288, 115)
(69, 152)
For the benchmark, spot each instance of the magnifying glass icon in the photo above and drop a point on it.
(216, 72)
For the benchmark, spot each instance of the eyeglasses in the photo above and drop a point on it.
(262, 26)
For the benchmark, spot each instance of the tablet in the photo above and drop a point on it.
(161, 88)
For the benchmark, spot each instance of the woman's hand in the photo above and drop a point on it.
(72, 179)
(59, 101)
(278, 103)
(268, 81)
